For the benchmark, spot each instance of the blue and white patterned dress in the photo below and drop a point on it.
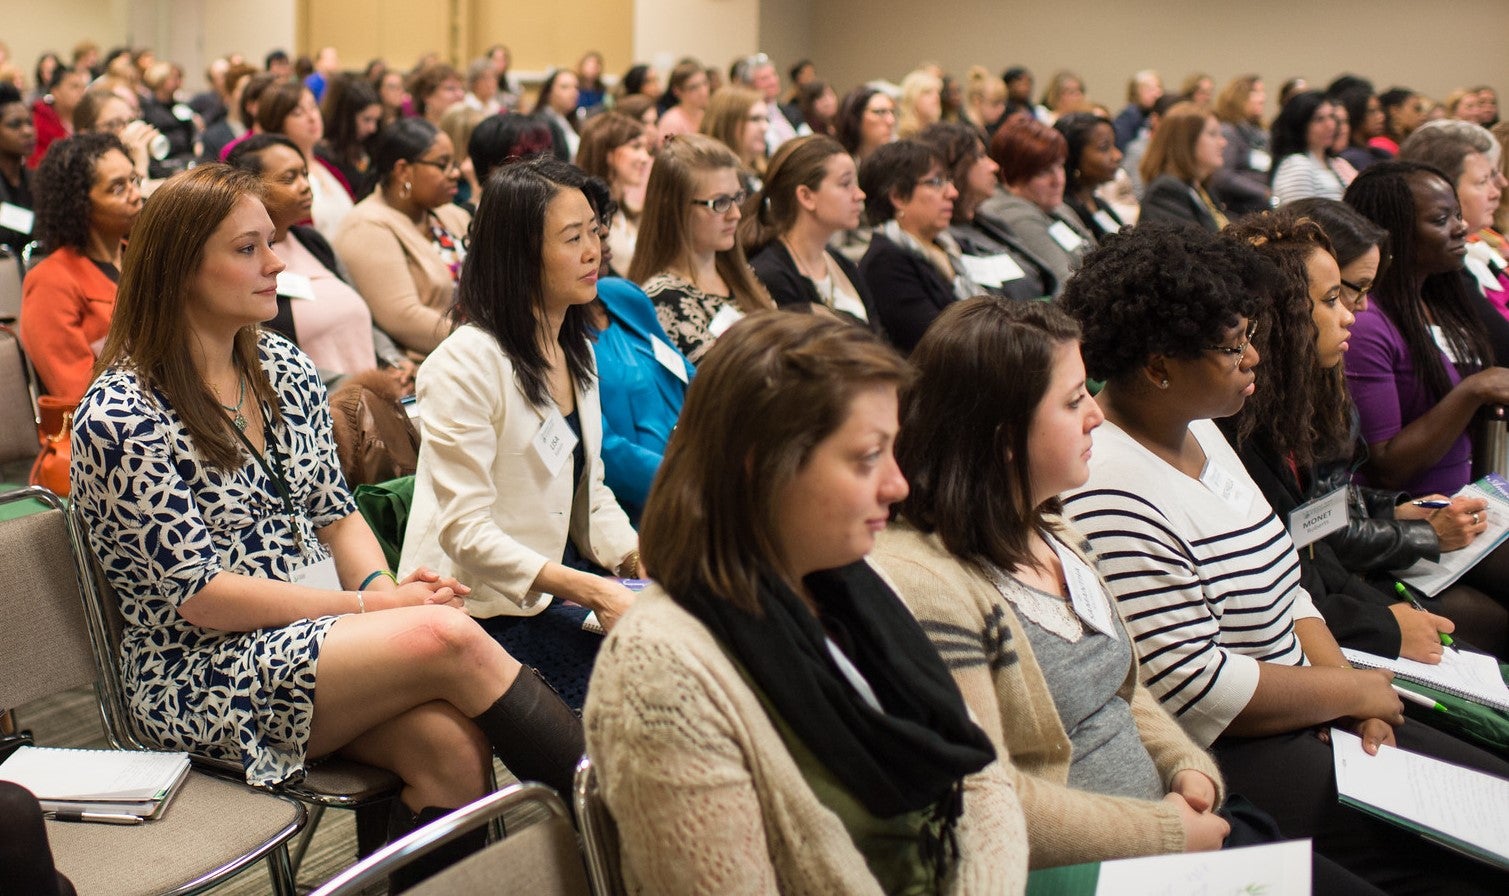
(163, 523)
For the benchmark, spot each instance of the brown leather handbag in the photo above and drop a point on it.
(374, 438)
(55, 433)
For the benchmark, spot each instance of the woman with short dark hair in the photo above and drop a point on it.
(866, 121)
(1302, 163)
(1031, 157)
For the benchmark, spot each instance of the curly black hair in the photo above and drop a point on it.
(1161, 289)
(61, 188)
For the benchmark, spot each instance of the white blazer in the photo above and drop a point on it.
(487, 509)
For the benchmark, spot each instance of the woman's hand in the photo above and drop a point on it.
(1373, 696)
(1197, 789)
(1420, 633)
(138, 136)
(421, 587)
(425, 574)
(1374, 732)
(608, 599)
(1490, 386)
(1202, 830)
(1458, 524)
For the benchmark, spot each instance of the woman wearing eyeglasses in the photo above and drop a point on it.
(405, 243)
(866, 121)
(913, 265)
(687, 258)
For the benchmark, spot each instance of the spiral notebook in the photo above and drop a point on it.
(121, 781)
(1431, 577)
(1471, 676)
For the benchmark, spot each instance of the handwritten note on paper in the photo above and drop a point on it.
(1461, 806)
(1269, 870)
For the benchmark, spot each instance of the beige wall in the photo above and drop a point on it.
(556, 33)
(65, 23)
(1390, 41)
(715, 31)
(786, 31)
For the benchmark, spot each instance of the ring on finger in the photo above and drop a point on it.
(1474, 519)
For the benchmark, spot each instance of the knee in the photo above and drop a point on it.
(443, 633)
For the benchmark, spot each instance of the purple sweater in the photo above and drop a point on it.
(1389, 396)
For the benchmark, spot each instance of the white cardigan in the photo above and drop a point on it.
(486, 508)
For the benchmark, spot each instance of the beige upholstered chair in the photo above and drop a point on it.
(213, 829)
(18, 413)
(540, 859)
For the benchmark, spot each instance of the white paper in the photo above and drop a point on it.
(726, 317)
(97, 775)
(1226, 487)
(295, 286)
(1273, 868)
(321, 575)
(1086, 595)
(1065, 236)
(1106, 222)
(669, 358)
(1314, 520)
(554, 442)
(992, 270)
(1474, 676)
(1480, 270)
(1459, 804)
(14, 217)
(1431, 577)
(1259, 160)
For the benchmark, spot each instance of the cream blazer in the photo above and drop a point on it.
(487, 509)
(397, 269)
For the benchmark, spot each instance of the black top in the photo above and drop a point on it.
(1170, 199)
(987, 235)
(18, 194)
(793, 291)
(909, 291)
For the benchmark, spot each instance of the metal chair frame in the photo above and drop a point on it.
(599, 832)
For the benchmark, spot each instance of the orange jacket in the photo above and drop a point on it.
(66, 306)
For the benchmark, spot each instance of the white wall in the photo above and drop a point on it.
(715, 31)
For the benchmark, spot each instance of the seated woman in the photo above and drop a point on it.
(556, 107)
(1031, 156)
(811, 194)
(688, 259)
(435, 88)
(866, 121)
(616, 149)
(912, 263)
(18, 139)
(1242, 183)
(738, 118)
(1092, 161)
(103, 111)
(509, 137)
(261, 625)
(1403, 111)
(921, 103)
(1295, 439)
(404, 244)
(352, 113)
(317, 309)
(1420, 364)
(1357, 99)
(290, 109)
(509, 493)
(685, 99)
(1205, 576)
(818, 105)
(642, 108)
(984, 100)
(990, 252)
(1065, 93)
(1302, 163)
(1102, 770)
(769, 716)
(1185, 152)
(88, 197)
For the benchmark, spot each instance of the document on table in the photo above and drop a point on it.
(1463, 809)
(1272, 868)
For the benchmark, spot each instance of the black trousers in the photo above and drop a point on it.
(25, 857)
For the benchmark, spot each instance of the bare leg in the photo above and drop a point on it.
(440, 754)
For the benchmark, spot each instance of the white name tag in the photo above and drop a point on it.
(992, 270)
(554, 442)
(295, 286)
(1089, 599)
(1227, 487)
(14, 217)
(320, 575)
(1444, 344)
(1484, 274)
(669, 358)
(726, 317)
(1259, 160)
(1065, 236)
(1314, 520)
(1106, 222)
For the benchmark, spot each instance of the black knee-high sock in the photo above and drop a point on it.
(535, 733)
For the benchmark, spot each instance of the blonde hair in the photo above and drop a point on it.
(980, 87)
(913, 86)
(726, 117)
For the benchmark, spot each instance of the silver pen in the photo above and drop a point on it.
(95, 817)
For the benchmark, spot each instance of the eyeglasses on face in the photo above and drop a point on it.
(443, 165)
(1352, 293)
(1239, 350)
(719, 205)
(937, 181)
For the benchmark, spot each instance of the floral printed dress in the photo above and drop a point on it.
(163, 523)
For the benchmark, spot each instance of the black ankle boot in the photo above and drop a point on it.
(436, 860)
(535, 733)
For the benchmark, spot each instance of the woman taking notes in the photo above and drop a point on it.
(769, 717)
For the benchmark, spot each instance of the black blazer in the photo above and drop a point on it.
(909, 292)
(1168, 198)
(791, 290)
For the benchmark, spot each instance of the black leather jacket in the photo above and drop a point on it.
(1373, 541)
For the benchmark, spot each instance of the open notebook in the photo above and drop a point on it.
(122, 782)
(1471, 676)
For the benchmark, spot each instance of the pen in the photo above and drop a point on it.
(1404, 593)
(1419, 699)
(1433, 505)
(95, 817)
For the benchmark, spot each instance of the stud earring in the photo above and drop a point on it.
(1163, 384)
(407, 186)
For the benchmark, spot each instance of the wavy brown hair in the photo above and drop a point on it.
(1300, 409)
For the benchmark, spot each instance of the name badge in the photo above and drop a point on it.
(295, 286)
(14, 217)
(726, 317)
(182, 112)
(1481, 272)
(992, 270)
(554, 442)
(320, 575)
(1065, 236)
(846, 302)
(1106, 222)
(1227, 487)
(1259, 160)
(1314, 520)
(1087, 596)
(669, 358)
(1444, 344)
